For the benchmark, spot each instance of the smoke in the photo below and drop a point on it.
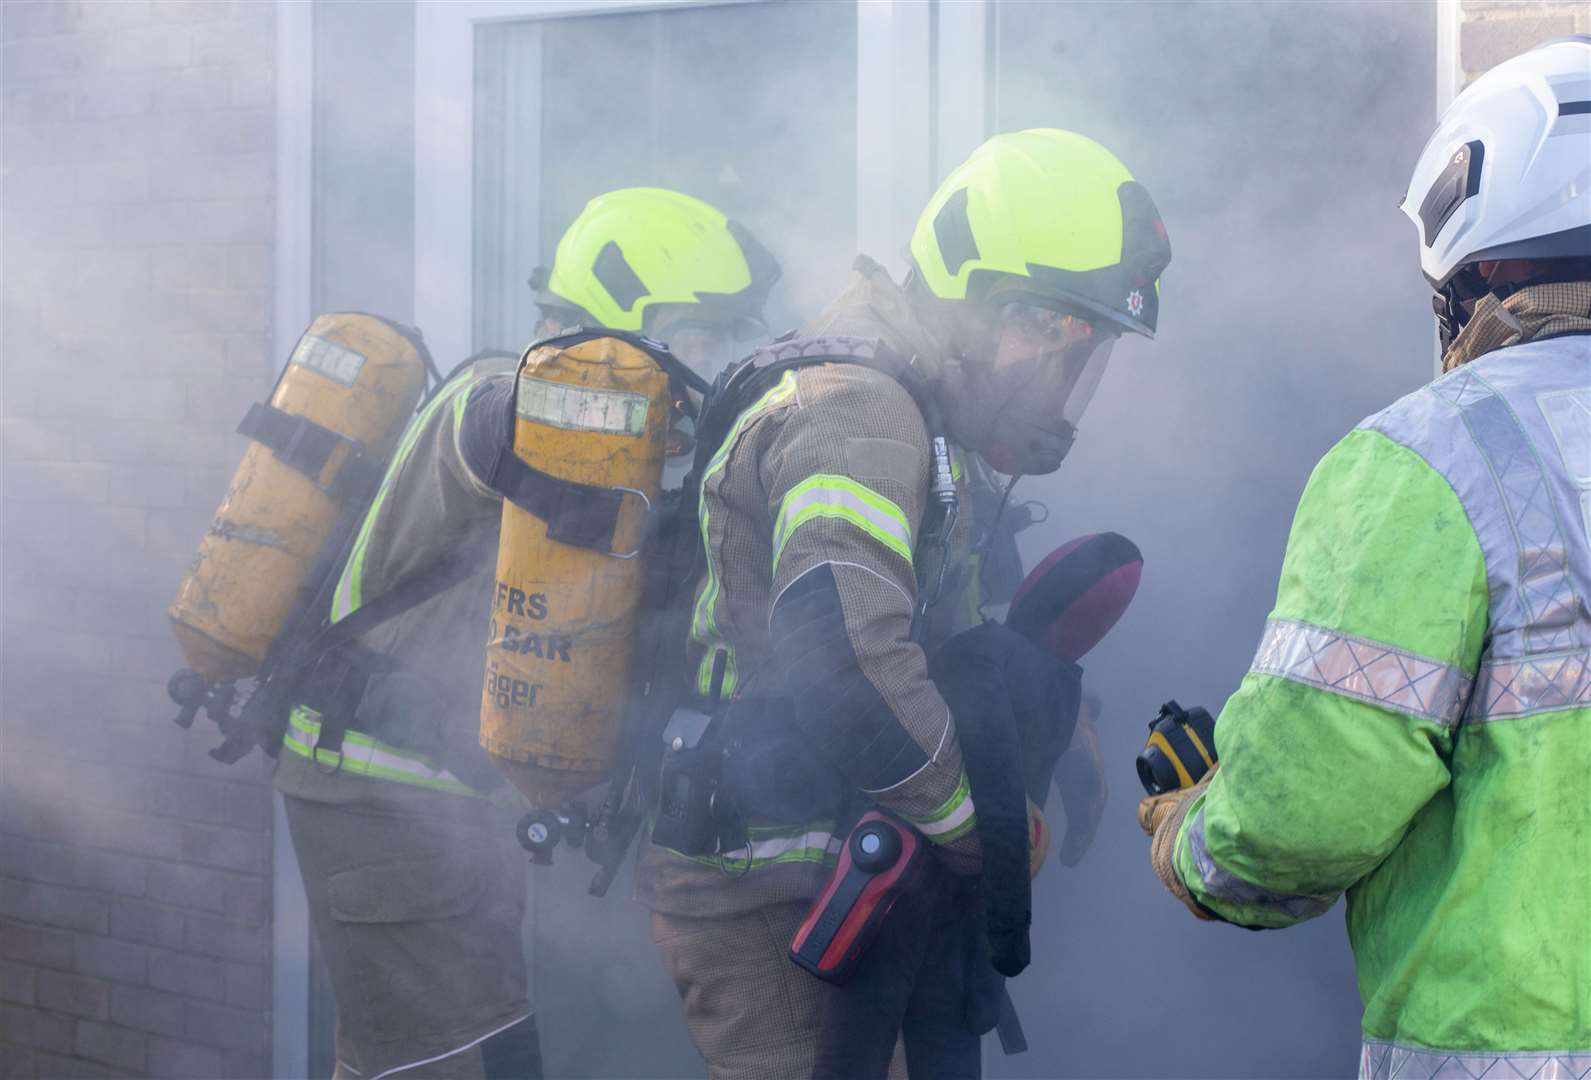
(1275, 139)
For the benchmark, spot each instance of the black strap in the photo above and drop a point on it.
(1013, 1040)
(336, 684)
(742, 382)
(297, 441)
(582, 515)
(333, 638)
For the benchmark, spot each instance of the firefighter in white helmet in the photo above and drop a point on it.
(1429, 656)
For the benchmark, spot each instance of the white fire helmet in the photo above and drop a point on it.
(1507, 175)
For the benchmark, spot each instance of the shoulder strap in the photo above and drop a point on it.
(746, 379)
(739, 386)
(671, 576)
(297, 441)
(582, 515)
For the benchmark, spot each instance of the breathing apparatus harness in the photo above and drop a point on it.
(696, 815)
(744, 382)
(688, 799)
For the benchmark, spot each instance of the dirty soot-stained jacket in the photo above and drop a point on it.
(430, 506)
(1429, 657)
(811, 513)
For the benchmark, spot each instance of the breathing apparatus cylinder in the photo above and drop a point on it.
(337, 409)
(564, 616)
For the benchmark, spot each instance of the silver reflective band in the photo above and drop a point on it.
(811, 846)
(1390, 1061)
(1510, 689)
(1222, 884)
(833, 496)
(362, 755)
(1367, 670)
(1543, 587)
(1568, 416)
(577, 408)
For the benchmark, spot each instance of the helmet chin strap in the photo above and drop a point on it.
(1455, 302)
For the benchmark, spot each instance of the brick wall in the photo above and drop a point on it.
(134, 872)
(1494, 30)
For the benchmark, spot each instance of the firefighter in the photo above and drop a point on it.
(403, 833)
(1031, 260)
(1413, 728)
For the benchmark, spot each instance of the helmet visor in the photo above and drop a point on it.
(1047, 365)
(1049, 361)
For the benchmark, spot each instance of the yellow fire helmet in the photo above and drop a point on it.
(636, 250)
(1051, 213)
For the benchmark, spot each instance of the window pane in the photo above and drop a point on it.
(750, 107)
(364, 159)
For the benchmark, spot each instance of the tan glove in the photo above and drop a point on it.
(1161, 817)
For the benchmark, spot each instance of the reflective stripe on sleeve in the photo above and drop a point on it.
(1362, 669)
(829, 495)
(704, 626)
(954, 818)
(364, 756)
(1221, 884)
(349, 595)
(1380, 1060)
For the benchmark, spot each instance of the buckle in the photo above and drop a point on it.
(647, 515)
(314, 758)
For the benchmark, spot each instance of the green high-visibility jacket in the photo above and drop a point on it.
(1415, 729)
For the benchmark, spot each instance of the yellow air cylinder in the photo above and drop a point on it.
(563, 617)
(356, 375)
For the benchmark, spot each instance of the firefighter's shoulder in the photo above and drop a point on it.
(852, 400)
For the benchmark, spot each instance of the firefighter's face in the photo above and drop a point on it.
(1045, 368)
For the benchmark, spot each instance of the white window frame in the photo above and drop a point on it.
(895, 173)
(293, 256)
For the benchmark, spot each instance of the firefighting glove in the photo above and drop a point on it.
(1161, 817)
(1080, 774)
